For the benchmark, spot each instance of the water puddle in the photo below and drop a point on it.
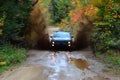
(80, 63)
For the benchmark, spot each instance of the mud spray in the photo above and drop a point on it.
(82, 39)
(36, 36)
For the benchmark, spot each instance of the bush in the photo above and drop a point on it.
(106, 30)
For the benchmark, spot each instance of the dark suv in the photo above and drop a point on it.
(61, 39)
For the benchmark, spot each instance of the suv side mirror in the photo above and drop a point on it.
(72, 36)
(51, 36)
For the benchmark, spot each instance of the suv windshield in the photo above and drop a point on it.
(61, 35)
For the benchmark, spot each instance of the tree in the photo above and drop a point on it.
(106, 29)
(59, 9)
(15, 21)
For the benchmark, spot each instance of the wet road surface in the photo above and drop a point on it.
(62, 65)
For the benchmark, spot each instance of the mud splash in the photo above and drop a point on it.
(82, 39)
(80, 63)
(36, 35)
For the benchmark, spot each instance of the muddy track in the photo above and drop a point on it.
(47, 65)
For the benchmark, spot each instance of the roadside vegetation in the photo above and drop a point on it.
(113, 62)
(10, 56)
(13, 23)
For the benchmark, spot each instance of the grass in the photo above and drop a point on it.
(113, 60)
(10, 56)
(3, 68)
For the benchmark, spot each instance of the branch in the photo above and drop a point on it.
(34, 2)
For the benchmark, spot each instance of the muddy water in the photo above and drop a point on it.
(47, 65)
(82, 64)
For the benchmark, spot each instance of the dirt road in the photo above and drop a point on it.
(63, 65)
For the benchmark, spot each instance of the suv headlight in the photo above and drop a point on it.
(53, 42)
(69, 42)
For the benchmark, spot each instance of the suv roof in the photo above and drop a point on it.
(61, 31)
